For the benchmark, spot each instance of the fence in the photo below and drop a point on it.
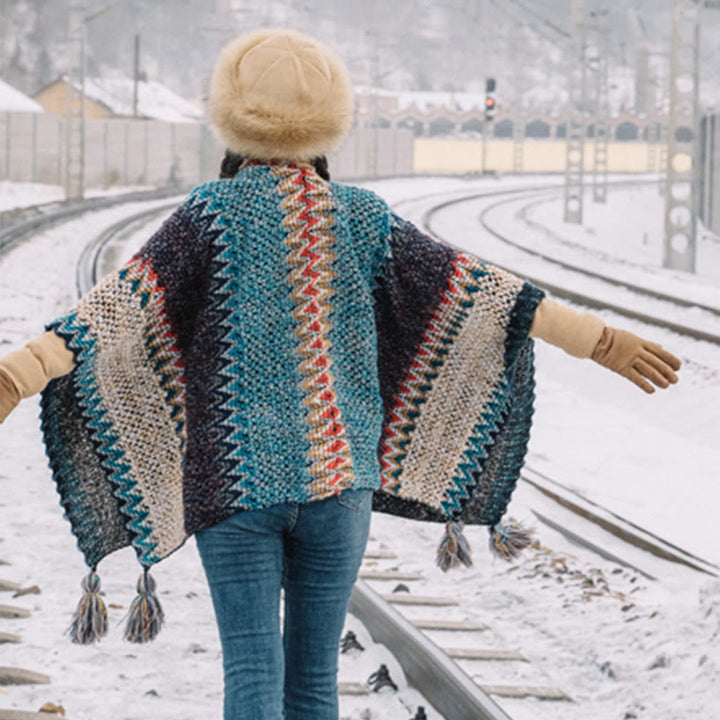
(147, 152)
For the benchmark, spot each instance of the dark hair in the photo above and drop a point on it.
(232, 161)
(320, 164)
(231, 164)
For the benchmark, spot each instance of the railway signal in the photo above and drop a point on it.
(490, 99)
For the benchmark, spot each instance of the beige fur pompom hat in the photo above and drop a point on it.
(277, 93)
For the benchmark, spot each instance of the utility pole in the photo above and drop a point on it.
(575, 134)
(136, 75)
(602, 109)
(75, 106)
(656, 134)
(642, 80)
(519, 114)
(373, 115)
(681, 184)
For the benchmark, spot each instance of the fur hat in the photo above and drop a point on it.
(277, 93)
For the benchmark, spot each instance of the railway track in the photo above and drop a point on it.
(429, 667)
(20, 223)
(635, 295)
(429, 664)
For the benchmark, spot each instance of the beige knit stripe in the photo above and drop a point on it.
(141, 417)
(440, 327)
(329, 455)
(473, 367)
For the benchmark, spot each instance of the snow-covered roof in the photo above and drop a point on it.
(12, 100)
(155, 100)
(424, 101)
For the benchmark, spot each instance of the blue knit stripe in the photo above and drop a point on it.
(78, 338)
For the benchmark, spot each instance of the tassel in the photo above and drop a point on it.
(454, 548)
(507, 541)
(90, 621)
(146, 617)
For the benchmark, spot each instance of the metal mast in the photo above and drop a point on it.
(602, 110)
(681, 182)
(642, 81)
(574, 148)
(656, 135)
(74, 111)
(519, 118)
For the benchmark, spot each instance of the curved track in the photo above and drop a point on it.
(20, 223)
(658, 318)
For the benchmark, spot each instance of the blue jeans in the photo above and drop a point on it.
(313, 551)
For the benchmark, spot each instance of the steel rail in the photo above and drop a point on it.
(628, 532)
(87, 269)
(17, 227)
(442, 681)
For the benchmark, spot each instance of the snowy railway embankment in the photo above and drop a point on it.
(564, 622)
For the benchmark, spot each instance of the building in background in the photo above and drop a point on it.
(107, 98)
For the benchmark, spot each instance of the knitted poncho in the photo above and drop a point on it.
(281, 339)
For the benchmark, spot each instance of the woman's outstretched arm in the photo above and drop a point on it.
(585, 335)
(27, 371)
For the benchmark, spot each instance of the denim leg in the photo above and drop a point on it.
(323, 553)
(242, 558)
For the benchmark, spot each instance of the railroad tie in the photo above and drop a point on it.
(13, 613)
(405, 599)
(380, 554)
(390, 575)
(9, 638)
(9, 586)
(19, 676)
(522, 691)
(451, 625)
(349, 688)
(484, 654)
(25, 715)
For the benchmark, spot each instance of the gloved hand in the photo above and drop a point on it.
(28, 370)
(636, 359)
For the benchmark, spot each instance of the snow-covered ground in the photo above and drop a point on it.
(18, 195)
(619, 645)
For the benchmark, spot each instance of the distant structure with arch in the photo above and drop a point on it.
(442, 114)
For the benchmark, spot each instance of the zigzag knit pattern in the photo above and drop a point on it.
(434, 346)
(281, 339)
(310, 242)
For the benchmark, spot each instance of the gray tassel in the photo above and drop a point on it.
(90, 621)
(146, 617)
(454, 548)
(508, 540)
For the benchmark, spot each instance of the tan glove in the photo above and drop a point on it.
(636, 359)
(585, 335)
(28, 370)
